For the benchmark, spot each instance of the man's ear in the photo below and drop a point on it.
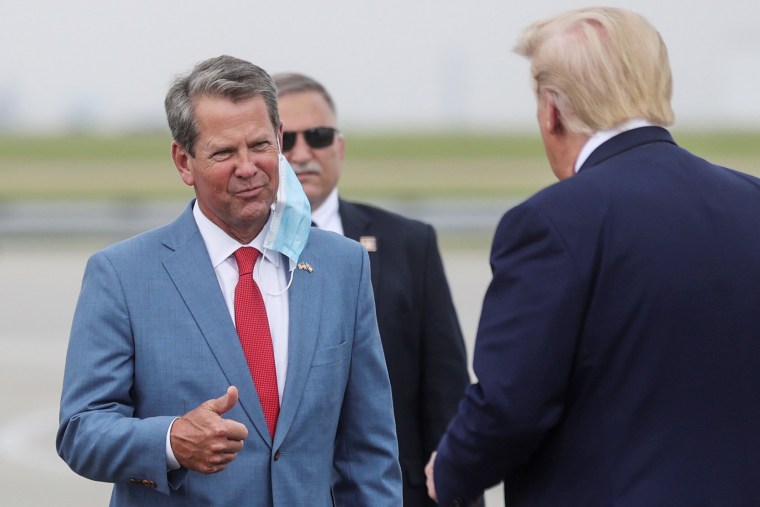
(182, 160)
(341, 146)
(552, 116)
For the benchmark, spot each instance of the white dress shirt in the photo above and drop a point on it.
(326, 216)
(270, 273)
(601, 136)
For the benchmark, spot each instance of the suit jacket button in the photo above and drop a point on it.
(277, 455)
(149, 484)
(135, 481)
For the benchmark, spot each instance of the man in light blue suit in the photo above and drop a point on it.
(154, 333)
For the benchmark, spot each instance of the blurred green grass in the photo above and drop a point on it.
(378, 166)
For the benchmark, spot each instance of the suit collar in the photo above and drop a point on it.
(355, 220)
(182, 229)
(601, 136)
(625, 141)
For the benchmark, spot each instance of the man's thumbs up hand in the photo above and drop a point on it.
(224, 404)
(202, 440)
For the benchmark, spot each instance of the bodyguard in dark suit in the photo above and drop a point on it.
(618, 352)
(423, 344)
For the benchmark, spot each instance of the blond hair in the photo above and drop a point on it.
(604, 66)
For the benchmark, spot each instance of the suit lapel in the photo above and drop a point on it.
(193, 275)
(305, 303)
(357, 223)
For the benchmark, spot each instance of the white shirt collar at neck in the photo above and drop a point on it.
(598, 138)
(327, 216)
(221, 246)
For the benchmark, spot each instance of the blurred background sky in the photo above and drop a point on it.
(394, 64)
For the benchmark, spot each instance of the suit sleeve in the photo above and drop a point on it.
(98, 436)
(445, 374)
(523, 358)
(366, 451)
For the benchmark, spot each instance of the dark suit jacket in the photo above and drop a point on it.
(618, 352)
(422, 340)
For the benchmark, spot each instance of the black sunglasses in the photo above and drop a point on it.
(318, 137)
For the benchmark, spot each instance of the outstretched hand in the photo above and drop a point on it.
(205, 442)
(429, 477)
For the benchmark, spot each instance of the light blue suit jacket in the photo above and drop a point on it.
(152, 339)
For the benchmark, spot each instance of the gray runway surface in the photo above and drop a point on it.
(40, 283)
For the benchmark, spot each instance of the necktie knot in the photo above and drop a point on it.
(246, 258)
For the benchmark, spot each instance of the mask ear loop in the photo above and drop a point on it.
(290, 280)
(293, 269)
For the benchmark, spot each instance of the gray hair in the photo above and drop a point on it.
(605, 65)
(224, 76)
(293, 82)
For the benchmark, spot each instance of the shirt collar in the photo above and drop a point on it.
(221, 246)
(328, 211)
(598, 138)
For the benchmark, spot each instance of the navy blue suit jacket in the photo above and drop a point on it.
(618, 351)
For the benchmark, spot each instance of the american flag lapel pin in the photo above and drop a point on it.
(369, 243)
(306, 266)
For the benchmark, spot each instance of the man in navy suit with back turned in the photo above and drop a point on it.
(618, 351)
(422, 341)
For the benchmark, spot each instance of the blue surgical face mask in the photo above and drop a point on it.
(291, 216)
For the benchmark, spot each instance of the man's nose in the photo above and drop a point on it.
(301, 152)
(246, 164)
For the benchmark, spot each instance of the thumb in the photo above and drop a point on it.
(225, 403)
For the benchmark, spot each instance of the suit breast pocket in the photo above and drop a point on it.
(331, 355)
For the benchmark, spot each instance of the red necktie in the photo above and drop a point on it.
(253, 329)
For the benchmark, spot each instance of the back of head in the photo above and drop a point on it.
(605, 65)
(293, 82)
(224, 76)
